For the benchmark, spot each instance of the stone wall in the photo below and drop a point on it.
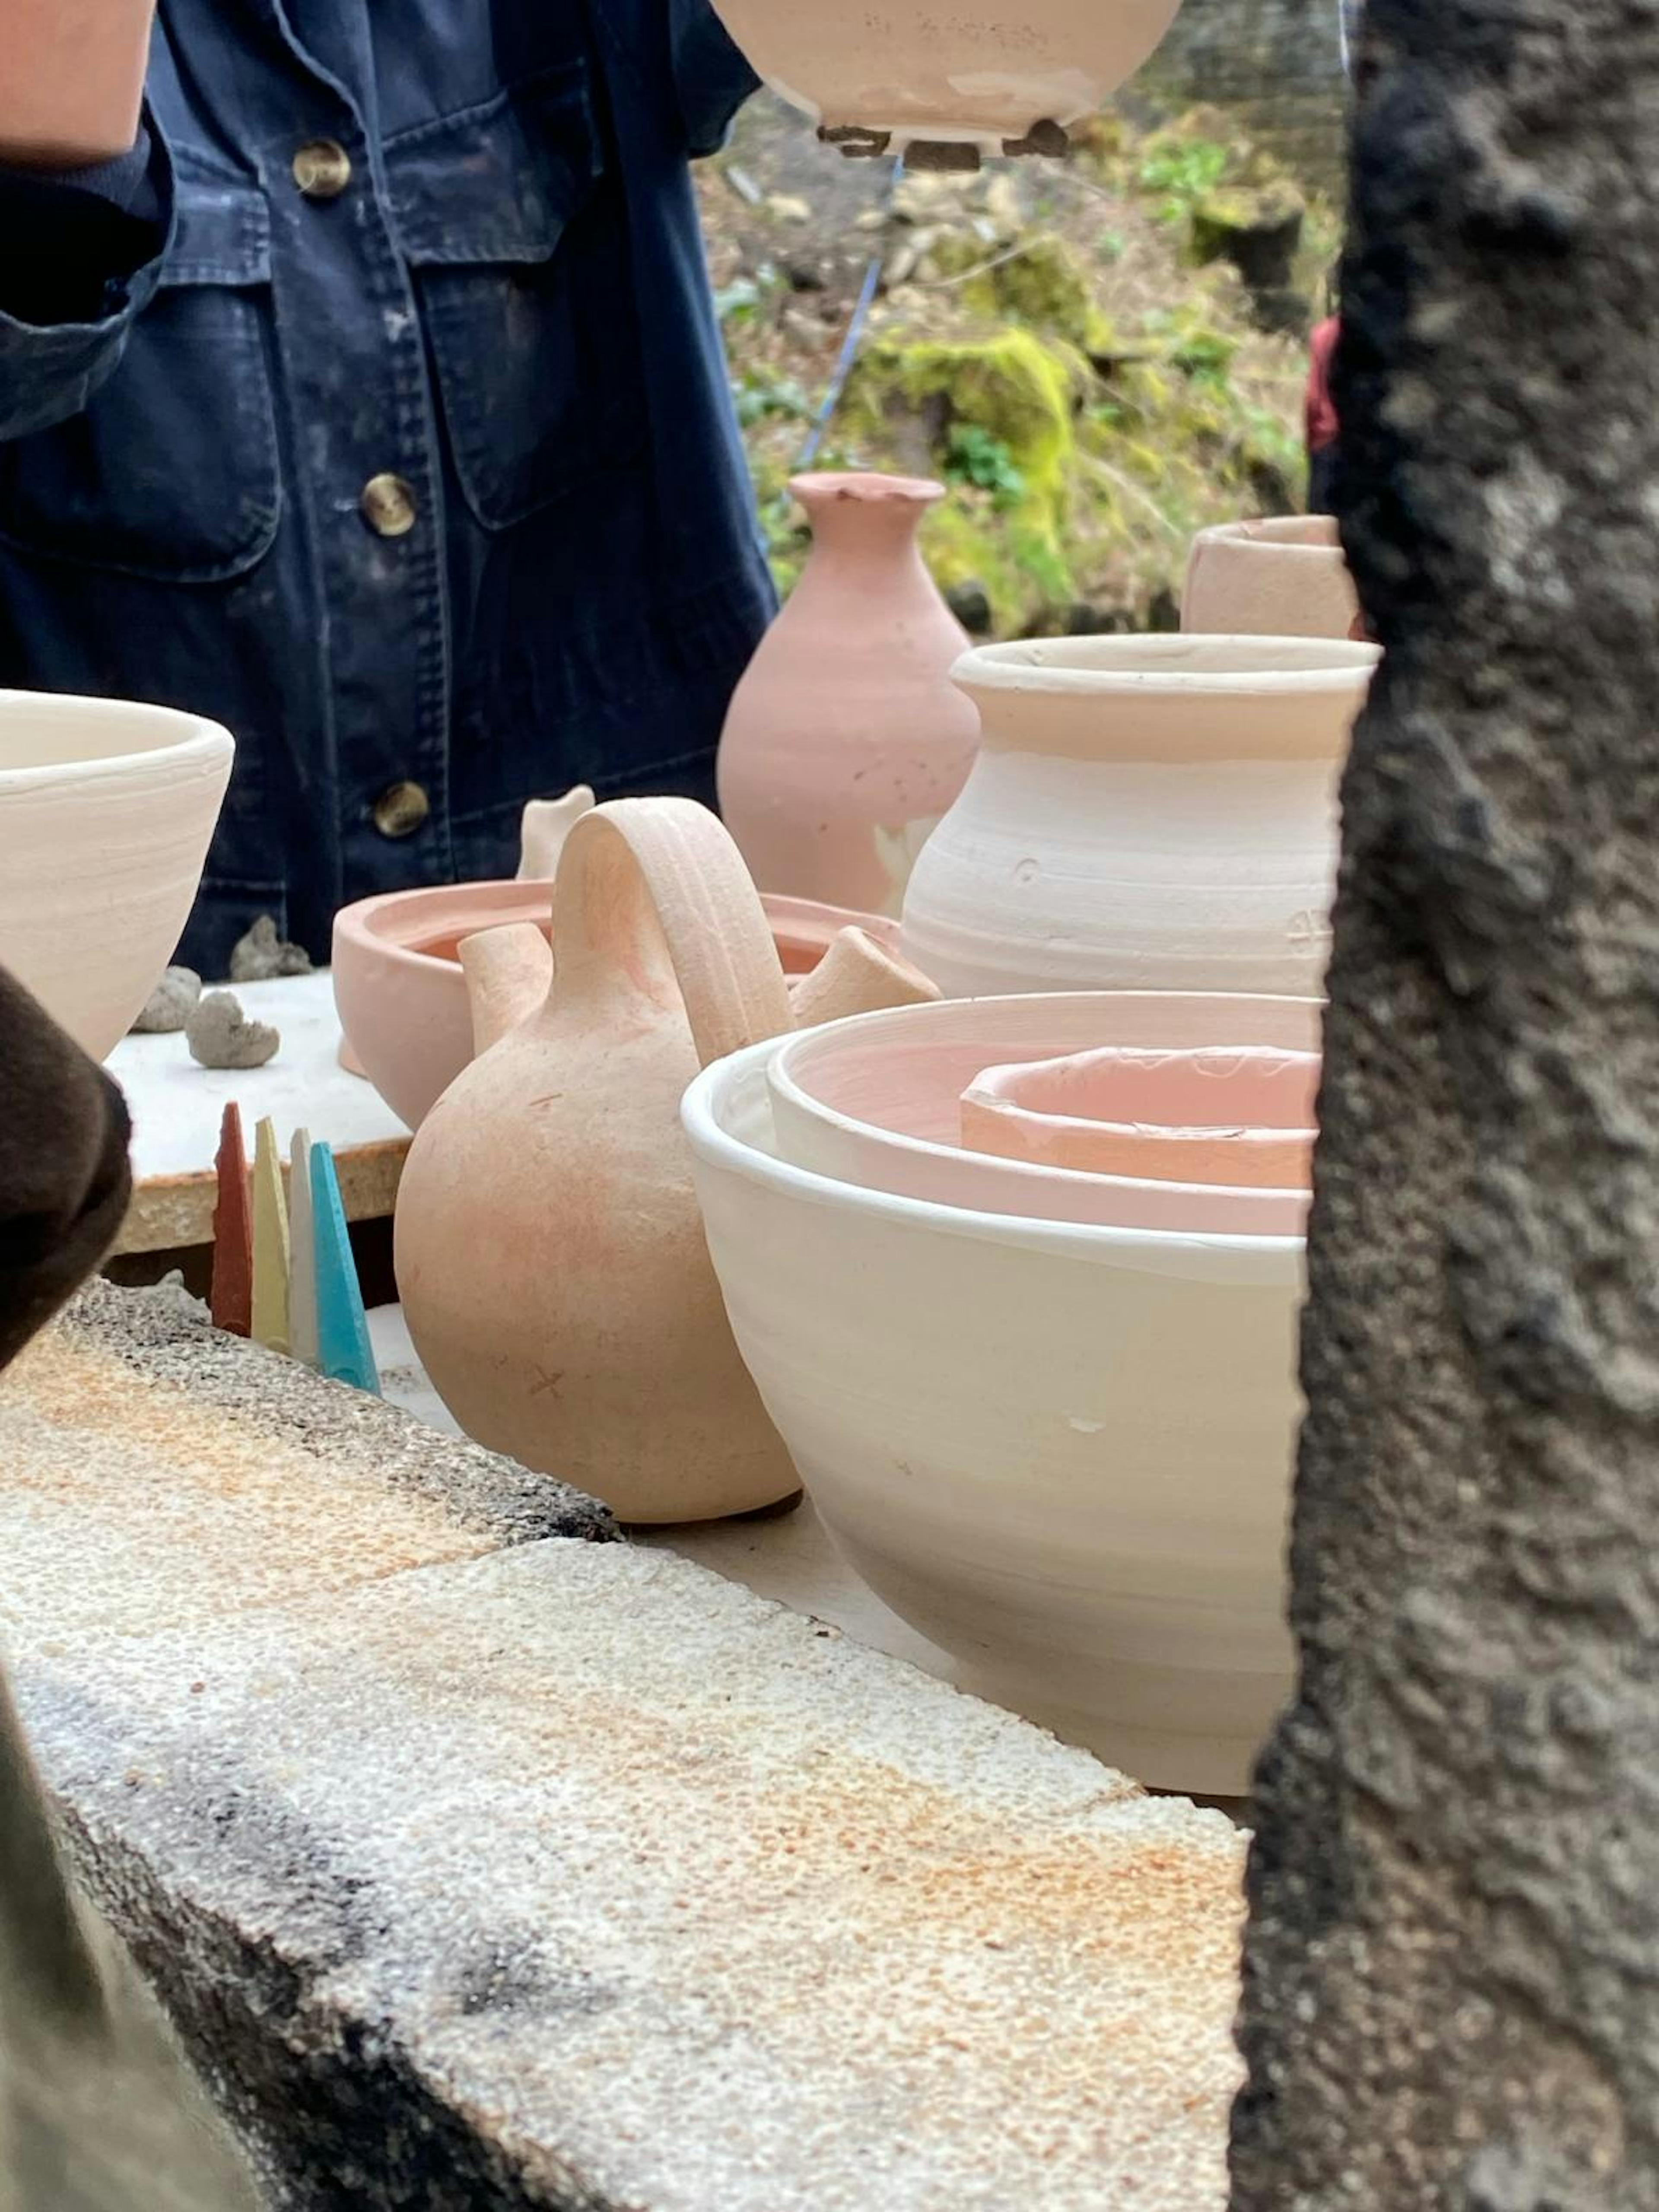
(1279, 62)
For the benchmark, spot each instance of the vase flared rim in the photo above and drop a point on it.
(867, 486)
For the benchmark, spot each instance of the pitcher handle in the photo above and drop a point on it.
(639, 877)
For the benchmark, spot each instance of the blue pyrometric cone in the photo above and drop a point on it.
(344, 1353)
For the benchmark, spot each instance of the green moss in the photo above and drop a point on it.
(1019, 394)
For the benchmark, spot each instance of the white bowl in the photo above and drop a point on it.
(1063, 1453)
(876, 1101)
(107, 811)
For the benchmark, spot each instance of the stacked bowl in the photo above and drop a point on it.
(1017, 1276)
(1047, 1413)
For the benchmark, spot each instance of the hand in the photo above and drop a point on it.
(71, 80)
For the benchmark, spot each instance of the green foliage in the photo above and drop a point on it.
(759, 398)
(1181, 170)
(974, 456)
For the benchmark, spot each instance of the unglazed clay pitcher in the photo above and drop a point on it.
(977, 78)
(1283, 578)
(847, 740)
(1146, 814)
(550, 1252)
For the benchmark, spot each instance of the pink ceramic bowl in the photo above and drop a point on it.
(1238, 1116)
(402, 998)
(876, 1102)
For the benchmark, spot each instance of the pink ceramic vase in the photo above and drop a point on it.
(1241, 1117)
(846, 740)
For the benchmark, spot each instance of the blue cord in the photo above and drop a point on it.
(850, 345)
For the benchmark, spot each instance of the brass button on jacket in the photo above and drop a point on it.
(402, 810)
(388, 505)
(322, 169)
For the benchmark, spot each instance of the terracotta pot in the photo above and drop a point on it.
(548, 1248)
(983, 77)
(846, 739)
(402, 998)
(1240, 1116)
(878, 1102)
(1146, 813)
(1063, 1453)
(107, 811)
(1285, 578)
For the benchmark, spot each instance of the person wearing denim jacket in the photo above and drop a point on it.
(371, 401)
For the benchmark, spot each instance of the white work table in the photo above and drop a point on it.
(177, 1108)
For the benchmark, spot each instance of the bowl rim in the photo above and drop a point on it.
(356, 924)
(716, 1146)
(193, 737)
(1171, 664)
(780, 1077)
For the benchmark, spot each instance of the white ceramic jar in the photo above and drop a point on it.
(1146, 813)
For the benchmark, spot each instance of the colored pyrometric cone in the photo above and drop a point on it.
(344, 1352)
(270, 1243)
(233, 1232)
(302, 1254)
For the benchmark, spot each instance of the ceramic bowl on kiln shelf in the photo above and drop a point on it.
(402, 997)
(107, 808)
(877, 1101)
(1062, 1452)
(984, 77)
(1238, 1115)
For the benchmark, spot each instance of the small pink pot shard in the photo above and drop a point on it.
(402, 997)
(846, 739)
(1283, 578)
(1240, 1117)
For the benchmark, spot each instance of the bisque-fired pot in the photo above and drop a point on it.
(846, 740)
(977, 74)
(548, 1246)
(1286, 577)
(1222, 1115)
(1061, 1452)
(403, 999)
(1144, 813)
(877, 1102)
(107, 808)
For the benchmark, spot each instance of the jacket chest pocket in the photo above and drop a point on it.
(518, 254)
(171, 471)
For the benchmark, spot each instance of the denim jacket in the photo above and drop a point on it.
(410, 455)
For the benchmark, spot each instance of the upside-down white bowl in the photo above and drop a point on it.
(1061, 1452)
(984, 76)
(877, 1101)
(107, 808)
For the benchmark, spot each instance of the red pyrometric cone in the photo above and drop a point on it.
(233, 1232)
